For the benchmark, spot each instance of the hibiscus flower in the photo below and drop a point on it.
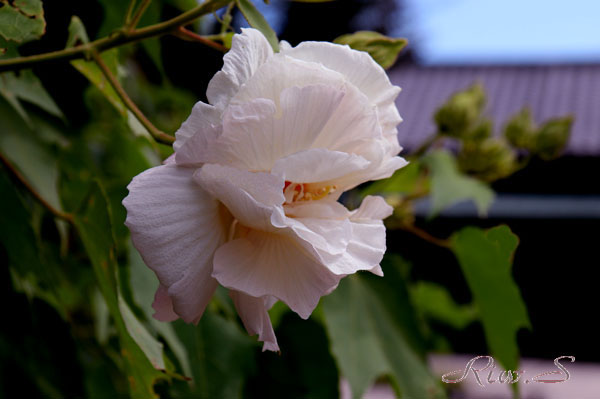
(249, 200)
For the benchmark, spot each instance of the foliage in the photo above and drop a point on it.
(70, 264)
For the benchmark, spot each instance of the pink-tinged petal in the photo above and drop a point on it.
(263, 264)
(163, 306)
(170, 160)
(253, 312)
(202, 120)
(249, 50)
(372, 207)
(200, 148)
(361, 70)
(250, 197)
(318, 165)
(177, 226)
(323, 209)
(256, 134)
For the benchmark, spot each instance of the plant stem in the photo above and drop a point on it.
(118, 38)
(158, 135)
(186, 34)
(58, 213)
(129, 11)
(138, 14)
(426, 236)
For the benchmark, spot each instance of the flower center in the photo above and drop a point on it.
(295, 192)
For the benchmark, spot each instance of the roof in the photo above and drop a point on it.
(548, 90)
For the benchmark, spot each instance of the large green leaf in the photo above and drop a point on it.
(370, 337)
(22, 20)
(403, 181)
(95, 230)
(486, 261)
(449, 186)
(434, 302)
(256, 20)
(383, 49)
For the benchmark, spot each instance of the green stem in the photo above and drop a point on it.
(185, 34)
(129, 11)
(157, 134)
(116, 39)
(138, 14)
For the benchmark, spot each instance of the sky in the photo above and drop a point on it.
(505, 31)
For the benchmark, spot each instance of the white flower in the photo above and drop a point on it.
(249, 200)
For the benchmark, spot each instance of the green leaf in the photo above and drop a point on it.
(403, 181)
(143, 285)
(256, 20)
(22, 20)
(95, 231)
(26, 86)
(486, 261)
(369, 337)
(449, 186)
(383, 49)
(434, 302)
(221, 356)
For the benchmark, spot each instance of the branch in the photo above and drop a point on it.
(58, 213)
(116, 39)
(158, 135)
(186, 34)
(138, 15)
(426, 236)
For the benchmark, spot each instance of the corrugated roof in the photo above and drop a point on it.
(549, 90)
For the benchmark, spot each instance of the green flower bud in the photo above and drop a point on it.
(458, 116)
(519, 131)
(552, 137)
(488, 160)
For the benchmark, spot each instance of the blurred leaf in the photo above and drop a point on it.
(221, 355)
(36, 160)
(434, 302)
(403, 181)
(449, 186)
(383, 49)
(256, 20)
(485, 257)
(95, 230)
(77, 33)
(369, 337)
(144, 284)
(22, 20)
(26, 86)
(552, 137)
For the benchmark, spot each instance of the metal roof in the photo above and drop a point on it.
(548, 90)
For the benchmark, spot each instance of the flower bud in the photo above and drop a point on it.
(488, 160)
(552, 137)
(519, 131)
(461, 112)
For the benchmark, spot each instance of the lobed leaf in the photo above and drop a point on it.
(22, 20)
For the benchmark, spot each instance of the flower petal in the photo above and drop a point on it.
(318, 165)
(250, 197)
(253, 312)
(263, 264)
(163, 306)
(249, 50)
(361, 70)
(176, 226)
(202, 121)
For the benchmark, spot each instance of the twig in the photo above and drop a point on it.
(129, 11)
(158, 135)
(186, 34)
(426, 236)
(118, 38)
(138, 15)
(58, 213)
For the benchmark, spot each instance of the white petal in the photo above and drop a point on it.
(271, 264)
(176, 226)
(255, 135)
(253, 312)
(202, 120)
(200, 148)
(249, 50)
(163, 306)
(250, 197)
(318, 165)
(361, 70)
(372, 207)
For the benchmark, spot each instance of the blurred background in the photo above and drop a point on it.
(543, 55)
